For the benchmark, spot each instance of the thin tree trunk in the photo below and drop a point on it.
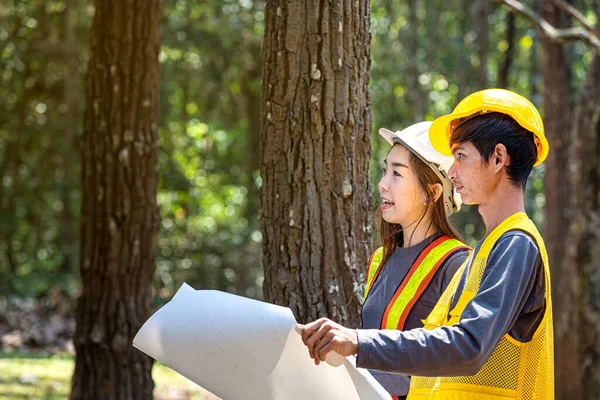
(480, 12)
(316, 129)
(462, 62)
(119, 210)
(67, 219)
(416, 96)
(557, 121)
(534, 64)
(510, 51)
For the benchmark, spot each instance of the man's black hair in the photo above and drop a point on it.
(485, 131)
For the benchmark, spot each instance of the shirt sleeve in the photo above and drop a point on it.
(463, 348)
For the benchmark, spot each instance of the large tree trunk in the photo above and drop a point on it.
(557, 121)
(316, 129)
(119, 210)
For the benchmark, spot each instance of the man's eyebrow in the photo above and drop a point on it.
(454, 150)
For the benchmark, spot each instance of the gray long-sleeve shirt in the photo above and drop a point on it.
(511, 298)
(390, 277)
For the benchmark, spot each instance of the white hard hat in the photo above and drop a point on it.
(416, 140)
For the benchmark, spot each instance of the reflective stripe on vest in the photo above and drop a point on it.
(374, 263)
(515, 370)
(416, 280)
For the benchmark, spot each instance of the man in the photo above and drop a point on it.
(490, 335)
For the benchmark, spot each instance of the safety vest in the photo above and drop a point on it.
(515, 370)
(416, 280)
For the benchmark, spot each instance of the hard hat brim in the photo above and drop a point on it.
(439, 133)
(452, 200)
(543, 148)
(392, 138)
(387, 135)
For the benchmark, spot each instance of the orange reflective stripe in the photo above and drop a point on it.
(400, 297)
(417, 279)
(374, 264)
(424, 283)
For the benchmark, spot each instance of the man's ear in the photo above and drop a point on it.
(499, 157)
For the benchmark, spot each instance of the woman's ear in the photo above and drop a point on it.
(437, 190)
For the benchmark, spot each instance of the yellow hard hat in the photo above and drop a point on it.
(491, 100)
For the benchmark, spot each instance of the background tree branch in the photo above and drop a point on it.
(575, 13)
(559, 35)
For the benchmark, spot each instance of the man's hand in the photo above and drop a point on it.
(323, 336)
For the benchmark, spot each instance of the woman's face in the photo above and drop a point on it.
(402, 199)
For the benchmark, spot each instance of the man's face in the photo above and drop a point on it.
(473, 178)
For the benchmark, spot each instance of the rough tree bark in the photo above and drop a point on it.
(316, 129)
(119, 211)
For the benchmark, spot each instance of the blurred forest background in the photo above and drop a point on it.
(425, 57)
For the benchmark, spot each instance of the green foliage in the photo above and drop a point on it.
(210, 88)
(210, 59)
(426, 57)
(41, 102)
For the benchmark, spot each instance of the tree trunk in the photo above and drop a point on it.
(510, 51)
(70, 162)
(557, 122)
(481, 10)
(462, 60)
(316, 129)
(416, 96)
(583, 243)
(119, 211)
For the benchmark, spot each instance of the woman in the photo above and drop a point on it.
(421, 250)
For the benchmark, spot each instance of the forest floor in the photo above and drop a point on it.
(26, 376)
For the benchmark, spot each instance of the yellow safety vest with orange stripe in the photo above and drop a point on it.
(515, 370)
(416, 280)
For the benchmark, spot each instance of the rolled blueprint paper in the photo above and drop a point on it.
(238, 348)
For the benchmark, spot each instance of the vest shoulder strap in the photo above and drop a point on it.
(517, 221)
(374, 264)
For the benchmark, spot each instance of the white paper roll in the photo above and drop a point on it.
(238, 348)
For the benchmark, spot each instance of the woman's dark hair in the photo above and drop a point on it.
(485, 131)
(391, 234)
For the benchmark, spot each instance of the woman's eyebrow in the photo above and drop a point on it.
(396, 164)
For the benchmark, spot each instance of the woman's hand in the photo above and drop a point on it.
(323, 336)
